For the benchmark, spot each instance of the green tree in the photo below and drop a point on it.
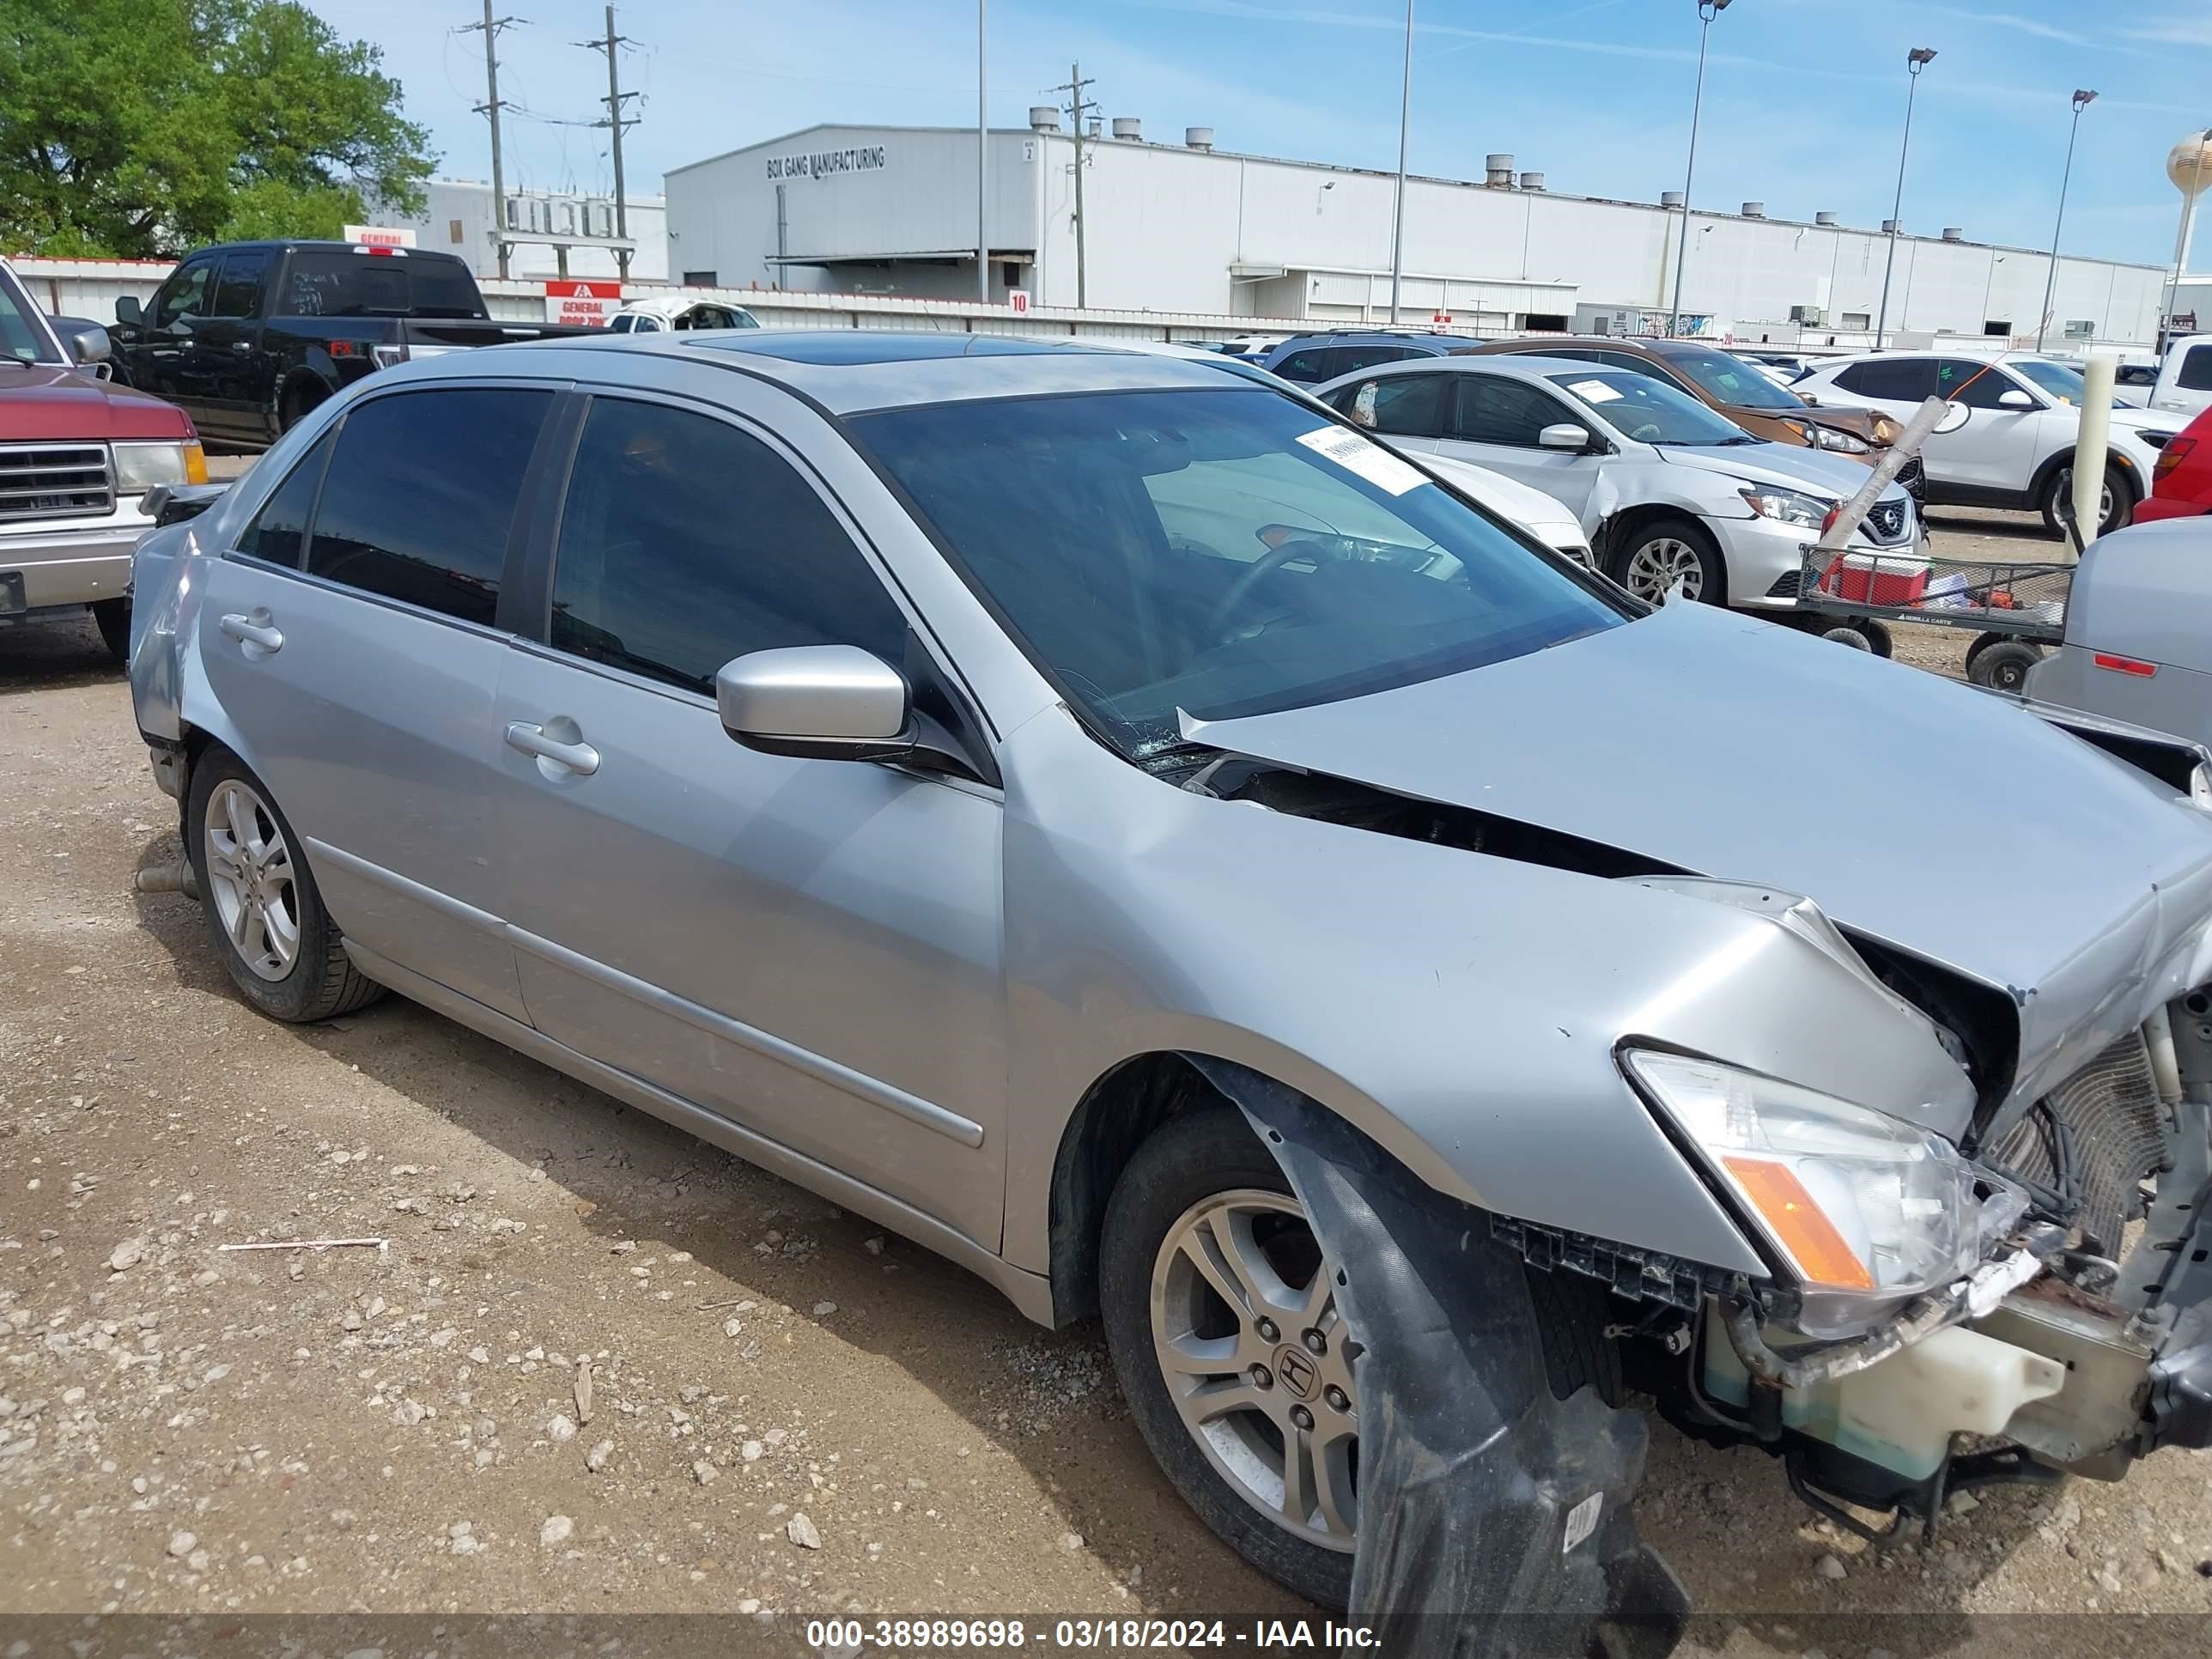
(145, 127)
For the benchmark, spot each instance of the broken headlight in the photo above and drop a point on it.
(1866, 1211)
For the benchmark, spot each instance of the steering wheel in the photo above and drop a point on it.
(1216, 624)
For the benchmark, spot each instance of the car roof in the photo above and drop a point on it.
(1524, 365)
(849, 371)
(316, 243)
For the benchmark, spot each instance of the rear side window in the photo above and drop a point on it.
(1308, 367)
(421, 494)
(1400, 406)
(237, 289)
(2195, 370)
(279, 530)
(1350, 360)
(685, 542)
(333, 284)
(1899, 380)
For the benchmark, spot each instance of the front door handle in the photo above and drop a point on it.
(257, 629)
(574, 755)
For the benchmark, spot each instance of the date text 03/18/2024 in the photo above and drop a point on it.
(847, 1636)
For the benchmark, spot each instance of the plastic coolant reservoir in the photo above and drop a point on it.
(1901, 1411)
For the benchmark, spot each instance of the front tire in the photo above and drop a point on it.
(1652, 558)
(283, 951)
(113, 618)
(1220, 1315)
(2003, 665)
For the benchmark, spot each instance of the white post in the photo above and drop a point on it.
(2090, 443)
(982, 169)
(1398, 214)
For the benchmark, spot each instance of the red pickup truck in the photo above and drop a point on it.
(77, 455)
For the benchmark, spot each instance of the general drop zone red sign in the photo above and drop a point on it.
(581, 303)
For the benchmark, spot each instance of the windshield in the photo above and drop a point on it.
(23, 336)
(1223, 552)
(2059, 380)
(1649, 411)
(1731, 380)
(332, 284)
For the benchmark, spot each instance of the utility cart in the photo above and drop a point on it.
(2015, 608)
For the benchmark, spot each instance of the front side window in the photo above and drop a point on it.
(279, 531)
(421, 495)
(685, 542)
(1492, 410)
(1308, 367)
(1651, 411)
(1401, 405)
(1977, 386)
(1222, 552)
(1731, 380)
(183, 294)
(1350, 360)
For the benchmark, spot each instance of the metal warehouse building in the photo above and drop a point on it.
(1187, 227)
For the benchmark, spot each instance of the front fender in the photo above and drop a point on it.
(1461, 1010)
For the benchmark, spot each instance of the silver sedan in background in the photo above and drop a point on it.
(1124, 828)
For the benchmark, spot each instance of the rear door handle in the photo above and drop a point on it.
(257, 629)
(577, 756)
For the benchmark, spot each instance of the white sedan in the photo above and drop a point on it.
(1670, 495)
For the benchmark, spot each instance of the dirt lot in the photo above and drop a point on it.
(785, 1411)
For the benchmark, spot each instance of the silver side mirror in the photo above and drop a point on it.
(2014, 398)
(86, 342)
(817, 701)
(1565, 435)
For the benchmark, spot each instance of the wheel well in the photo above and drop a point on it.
(300, 392)
(1613, 535)
(2044, 473)
(1115, 1116)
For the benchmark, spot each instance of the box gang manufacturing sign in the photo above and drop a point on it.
(827, 163)
(581, 303)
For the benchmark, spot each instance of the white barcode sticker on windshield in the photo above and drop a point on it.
(1370, 460)
(1596, 391)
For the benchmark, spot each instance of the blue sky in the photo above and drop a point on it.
(1803, 98)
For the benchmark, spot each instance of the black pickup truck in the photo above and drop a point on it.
(248, 336)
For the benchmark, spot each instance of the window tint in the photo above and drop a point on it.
(1350, 360)
(1901, 380)
(421, 494)
(279, 530)
(237, 289)
(1495, 411)
(1977, 386)
(1404, 405)
(622, 322)
(1308, 367)
(2197, 369)
(183, 294)
(685, 542)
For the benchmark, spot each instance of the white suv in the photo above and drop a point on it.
(2011, 443)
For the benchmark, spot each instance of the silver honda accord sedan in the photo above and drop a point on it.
(1107, 819)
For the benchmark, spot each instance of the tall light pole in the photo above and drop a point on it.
(1397, 212)
(1915, 61)
(2082, 99)
(1707, 10)
(982, 170)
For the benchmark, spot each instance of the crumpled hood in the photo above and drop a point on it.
(1939, 819)
(1785, 464)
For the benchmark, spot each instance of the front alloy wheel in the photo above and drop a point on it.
(1257, 1360)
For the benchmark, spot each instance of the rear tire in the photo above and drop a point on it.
(2057, 501)
(113, 618)
(280, 946)
(1191, 1163)
(1651, 557)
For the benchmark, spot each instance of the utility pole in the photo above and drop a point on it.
(615, 124)
(983, 168)
(1079, 108)
(1397, 202)
(492, 106)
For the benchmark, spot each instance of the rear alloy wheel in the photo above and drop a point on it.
(2116, 502)
(1654, 559)
(1221, 1312)
(282, 950)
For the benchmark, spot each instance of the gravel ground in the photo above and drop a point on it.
(602, 1367)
